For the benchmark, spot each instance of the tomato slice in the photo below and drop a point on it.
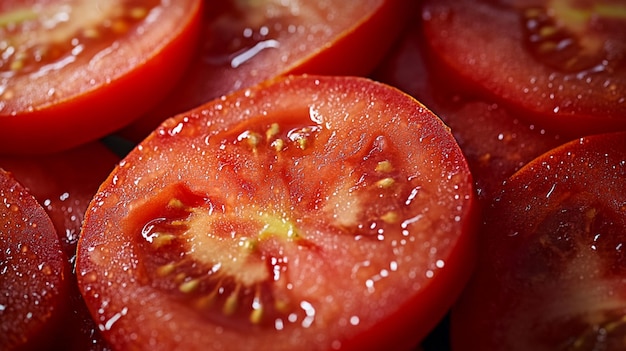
(560, 61)
(309, 212)
(64, 183)
(247, 42)
(33, 270)
(74, 71)
(496, 141)
(550, 273)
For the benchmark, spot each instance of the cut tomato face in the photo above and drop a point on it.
(74, 71)
(33, 271)
(562, 62)
(495, 140)
(247, 42)
(307, 212)
(550, 272)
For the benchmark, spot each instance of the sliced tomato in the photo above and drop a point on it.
(33, 271)
(308, 212)
(64, 183)
(246, 42)
(74, 71)
(496, 140)
(551, 273)
(562, 62)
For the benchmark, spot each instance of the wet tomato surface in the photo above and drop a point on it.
(72, 72)
(307, 212)
(550, 274)
(34, 273)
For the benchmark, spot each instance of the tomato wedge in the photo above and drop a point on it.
(551, 273)
(33, 270)
(247, 42)
(74, 71)
(562, 62)
(308, 212)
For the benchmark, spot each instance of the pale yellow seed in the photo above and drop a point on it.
(256, 315)
(138, 12)
(17, 65)
(119, 26)
(385, 183)
(175, 203)
(162, 240)
(166, 269)
(303, 143)
(547, 31)
(384, 167)
(230, 306)
(272, 131)
(278, 144)
(91, 33)
(390, 217)
(189, 286)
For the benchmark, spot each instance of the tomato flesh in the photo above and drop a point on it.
(311, 212)
(551, 268)
(561, 62)
(245, 43)
(34, 270)
(64, 63)
(496, 140)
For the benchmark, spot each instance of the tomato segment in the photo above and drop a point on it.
(310, 212)
(561, 62)
(551, 267)
(72, 72)
(34, 270)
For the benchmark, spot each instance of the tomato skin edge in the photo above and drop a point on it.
(93, 114)
(344, 48)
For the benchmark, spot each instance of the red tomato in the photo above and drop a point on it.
(246, 42)
(561, 62)
(64, 183)
(74, 71)
(33, 270)
(496, 141)
(551, 272)
(308, 212)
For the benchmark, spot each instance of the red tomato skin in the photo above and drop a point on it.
(570, 104)
(356, 51)
(396, 330)
(35, 277)
(96, 112)
(532, 264)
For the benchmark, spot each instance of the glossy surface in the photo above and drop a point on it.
(309, 212)
(246, 42)
(551, 267)
(34, 277)
(560, 62)
(63, 63)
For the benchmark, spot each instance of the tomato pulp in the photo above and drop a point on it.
(550, 273)
(307, 212)
(72, 72)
